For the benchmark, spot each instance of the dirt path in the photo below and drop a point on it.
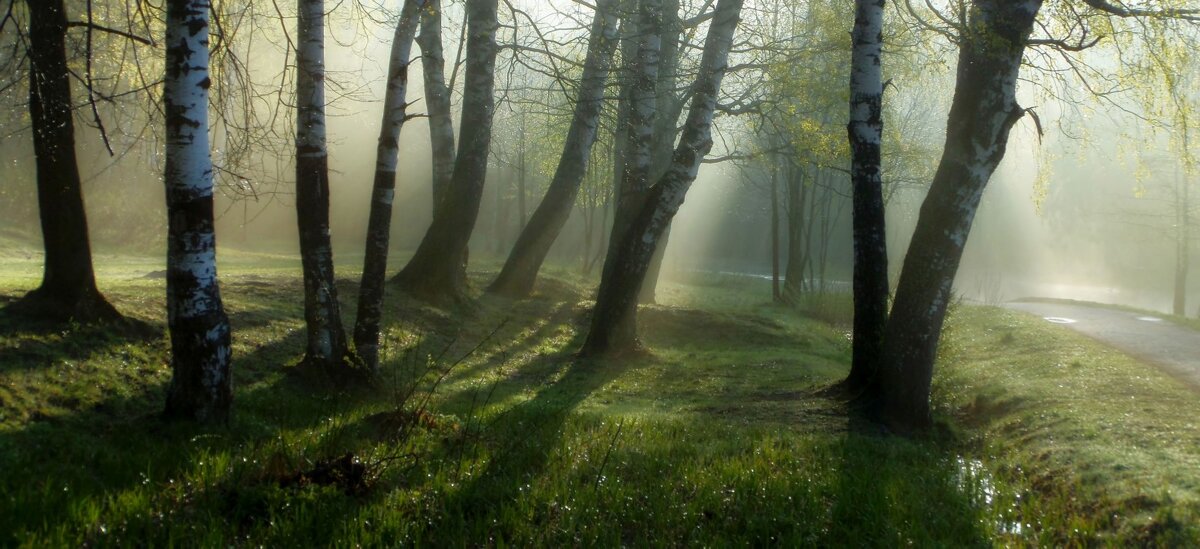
(1173, 348)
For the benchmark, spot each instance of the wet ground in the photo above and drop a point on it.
(1174, 348)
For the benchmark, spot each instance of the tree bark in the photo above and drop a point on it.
(379, 223)
(437, 272)
(201, 386)
(613, 325)
(865, 131)
(982, 113)
(437, 98)
(517, 277)
(793, 278)
(1183, 234)
(327, 348)
(637, 156)
(776, 294)
(1181, 251)
(667, 111)
(68, 290)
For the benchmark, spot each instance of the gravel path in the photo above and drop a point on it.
(1173, 348)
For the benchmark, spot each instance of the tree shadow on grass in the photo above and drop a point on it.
(29, 344)
(120, 447)
(520, 446)
(899, 492)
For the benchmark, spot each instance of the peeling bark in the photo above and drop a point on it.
(517, 277)
(437, 272)
(982, 113)
(379, 223)
(613, 324)
(865, 132)
(201, 386)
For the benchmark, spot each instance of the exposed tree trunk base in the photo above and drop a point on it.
(516, 281)
(593, 349)
(440, 289)
(346, 371)
(88, 307)
(509, 290)
(192, 395)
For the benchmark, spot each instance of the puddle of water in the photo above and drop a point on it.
(1149, 319)
(976, 482)
(1059, 320)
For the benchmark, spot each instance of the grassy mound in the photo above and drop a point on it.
(487, 430)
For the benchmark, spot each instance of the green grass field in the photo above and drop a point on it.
(487, 431)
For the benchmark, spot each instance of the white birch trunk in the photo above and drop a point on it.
(520, 270)
(614, 317)
(327, 348)
(370, 297)
(983, 112)
(437, 98)
(437, 271)
(865, 132)
(637, 153)
(201, 387)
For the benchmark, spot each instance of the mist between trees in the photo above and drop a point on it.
(619, 109)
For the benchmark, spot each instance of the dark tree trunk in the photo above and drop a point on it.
(502, 211)
(613, 325)
(437, 98)
(327, 349)
(865, 131)
(522, 173)
(517, 277)
(983, 111)
(68, 290)
(201, 386)
(648, 293)
(379, 223)
(437, 272)
(776, 295)
(793, 279)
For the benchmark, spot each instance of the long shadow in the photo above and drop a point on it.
(85, 454)
(892, 492)
(520, 446)
(27, 344)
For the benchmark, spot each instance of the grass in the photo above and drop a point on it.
(720, 436)
(1090, 444)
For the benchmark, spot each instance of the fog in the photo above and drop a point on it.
(1084, 211)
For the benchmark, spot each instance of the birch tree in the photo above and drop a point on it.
(201, 387)
(640, 110)
(668, 108)
(517, 277)
(613, 324)
(379, 222)
(982, 113)
(327, 348)
(68, 289)
(437, 98)
(865, 131)
(992, 42)
(637, 143)
(437, 271)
